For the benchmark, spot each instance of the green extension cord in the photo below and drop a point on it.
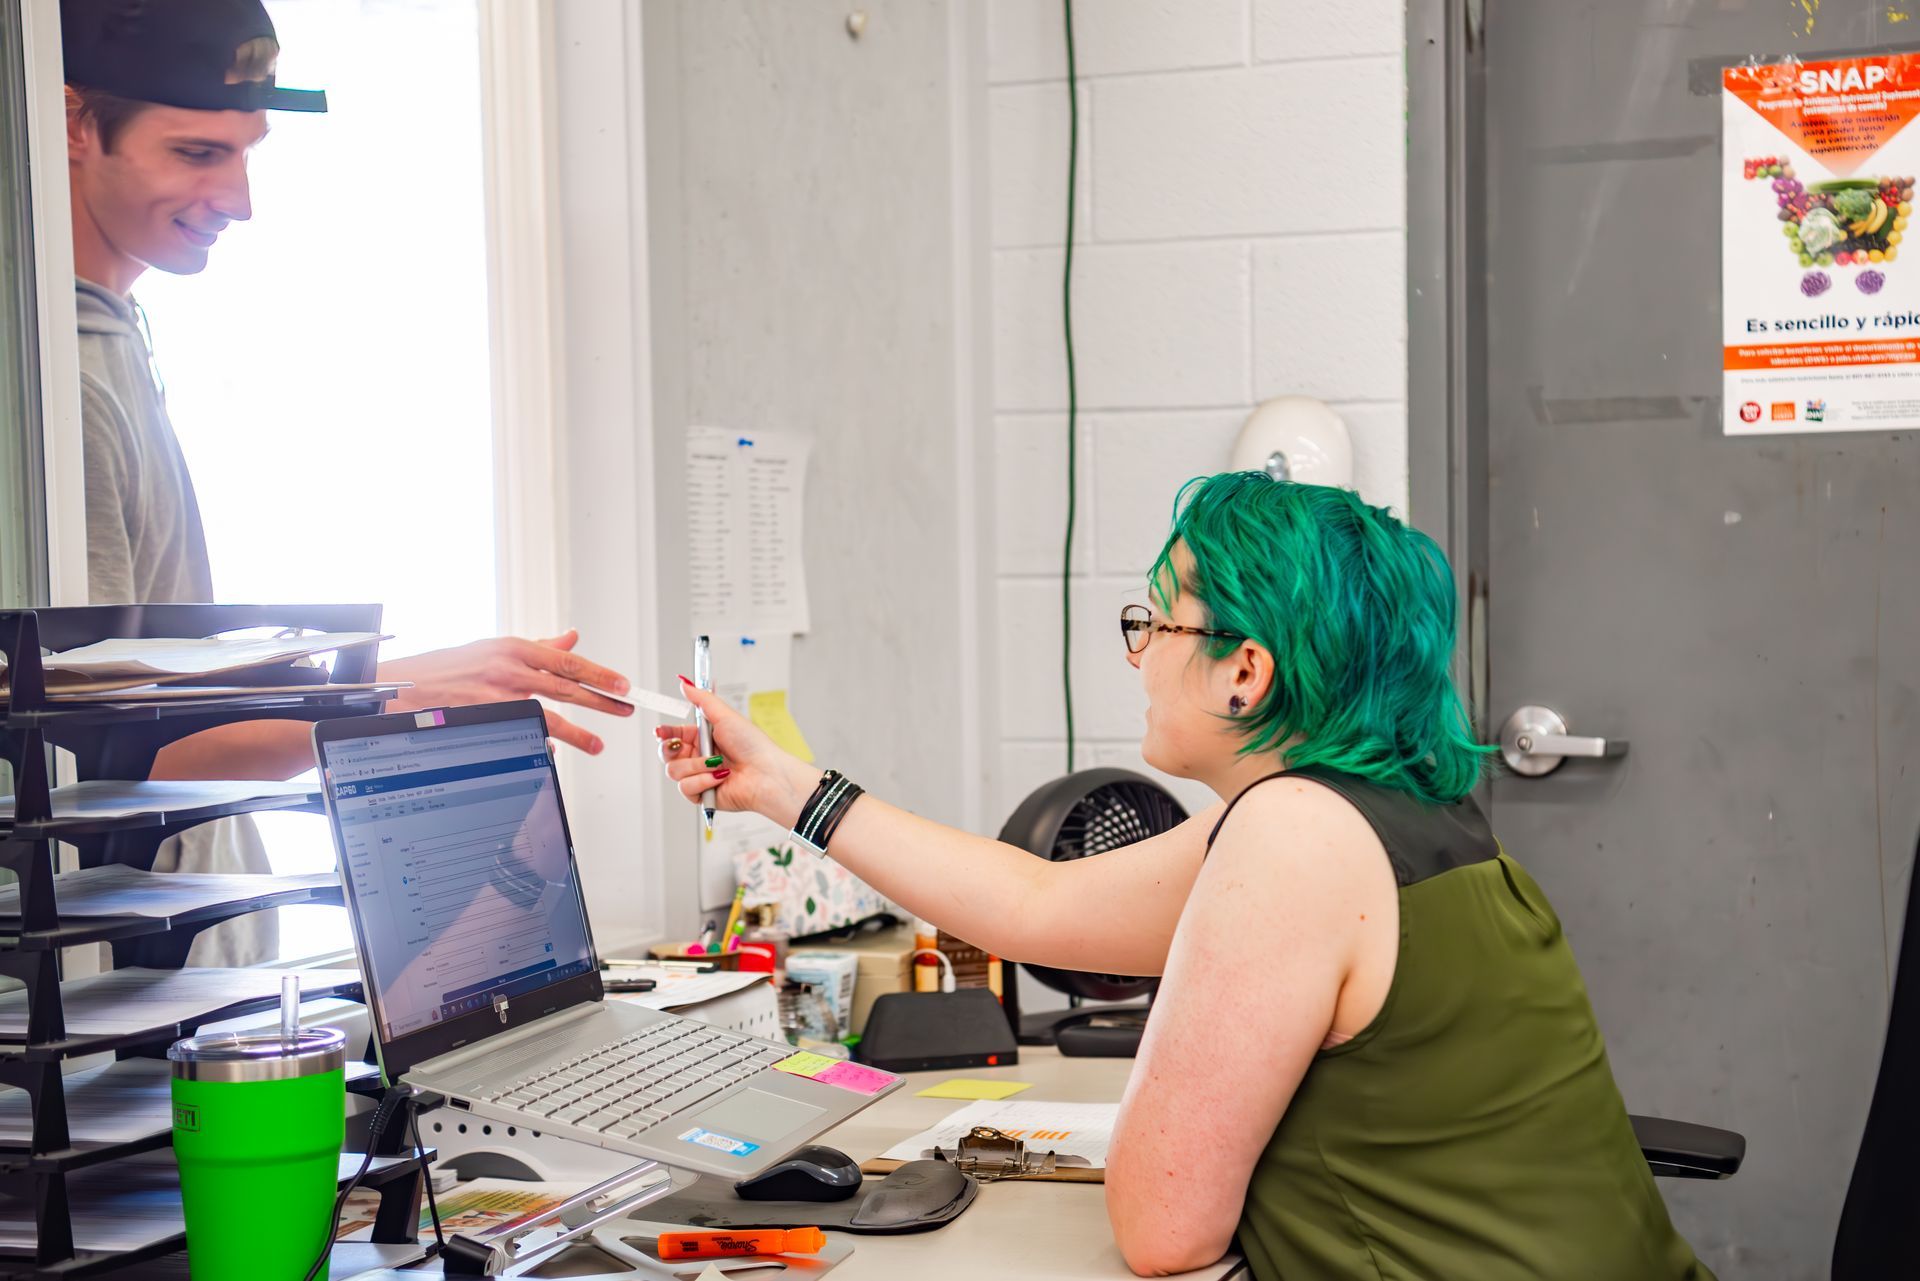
(1073, 392)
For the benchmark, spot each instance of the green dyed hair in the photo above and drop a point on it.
(1357, 610)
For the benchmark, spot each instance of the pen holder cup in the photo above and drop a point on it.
(257, 1128)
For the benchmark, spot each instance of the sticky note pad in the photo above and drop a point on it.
(968, 1088)
(768, 710)
(805, 1063)
(857, 1077)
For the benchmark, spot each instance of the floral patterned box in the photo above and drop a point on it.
(814, 894)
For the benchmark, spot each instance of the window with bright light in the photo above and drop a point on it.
(328, 374)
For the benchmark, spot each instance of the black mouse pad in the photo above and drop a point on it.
(917, 1197)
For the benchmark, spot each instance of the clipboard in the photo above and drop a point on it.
(993, 1157)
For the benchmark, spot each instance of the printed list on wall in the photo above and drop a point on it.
(1821, 305)
(745, 495)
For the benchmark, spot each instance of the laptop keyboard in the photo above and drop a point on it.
(626, 1086)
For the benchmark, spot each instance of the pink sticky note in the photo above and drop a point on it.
(857, 1077)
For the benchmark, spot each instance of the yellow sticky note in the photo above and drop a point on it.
(968, 1088)
(805, 1064)
(768, 710)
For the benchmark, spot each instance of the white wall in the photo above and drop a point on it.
(1240, 235)
(1241, 229)
(807, 223)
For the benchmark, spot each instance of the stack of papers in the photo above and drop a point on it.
(120, 1102)
(115, 693)
(130, 663)
(125, 1205)
(117, 890)
(122, 1002)
(677, 988)
(103, 799)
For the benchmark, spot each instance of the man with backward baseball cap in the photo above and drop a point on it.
(165, 99)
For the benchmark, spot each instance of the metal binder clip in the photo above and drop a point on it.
(990, 1155)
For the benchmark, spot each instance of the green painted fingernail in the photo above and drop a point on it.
(713, 761)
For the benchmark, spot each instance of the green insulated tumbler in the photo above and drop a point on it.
(258, 1120)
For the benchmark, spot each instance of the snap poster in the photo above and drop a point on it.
(1820, 295)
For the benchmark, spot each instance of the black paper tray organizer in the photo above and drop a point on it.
(92, 1189)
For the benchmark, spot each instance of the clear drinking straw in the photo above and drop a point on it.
(289, 1009)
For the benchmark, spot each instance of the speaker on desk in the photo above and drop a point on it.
(1087, 813)
(925, 1031)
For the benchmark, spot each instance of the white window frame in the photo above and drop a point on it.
(567, 276)
(53, 279)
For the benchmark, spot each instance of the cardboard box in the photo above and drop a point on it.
(830, 973)
(885, 965)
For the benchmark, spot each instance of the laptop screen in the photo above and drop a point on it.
(462, 881)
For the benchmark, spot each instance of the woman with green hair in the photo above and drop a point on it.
(1415, 1086)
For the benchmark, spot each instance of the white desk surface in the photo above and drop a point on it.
(1014, 1231)
(1017, 1231)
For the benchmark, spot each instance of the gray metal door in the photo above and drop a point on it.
(1743, 612)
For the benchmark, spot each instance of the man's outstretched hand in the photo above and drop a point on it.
(506, 668)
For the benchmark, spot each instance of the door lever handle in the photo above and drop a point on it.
(1535, 742)
(1568, 745)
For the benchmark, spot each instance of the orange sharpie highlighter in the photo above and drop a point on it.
(722, 1245)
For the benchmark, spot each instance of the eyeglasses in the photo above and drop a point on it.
(1137, 627)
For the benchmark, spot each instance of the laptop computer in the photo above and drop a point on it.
(480, 971)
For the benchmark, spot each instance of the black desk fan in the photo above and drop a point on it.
(1083, 814)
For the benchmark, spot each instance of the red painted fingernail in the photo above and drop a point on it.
(685, 681)
(720, 774)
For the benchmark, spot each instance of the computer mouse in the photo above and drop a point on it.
(812, 1173)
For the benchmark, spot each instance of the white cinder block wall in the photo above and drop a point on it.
(1240, 220)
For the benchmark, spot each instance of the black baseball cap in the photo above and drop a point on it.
(206, 55)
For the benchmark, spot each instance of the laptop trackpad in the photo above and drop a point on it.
(756, 1115)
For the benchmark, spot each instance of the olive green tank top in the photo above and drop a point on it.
(1473, 1130)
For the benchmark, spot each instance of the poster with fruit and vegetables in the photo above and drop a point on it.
(1820, 303)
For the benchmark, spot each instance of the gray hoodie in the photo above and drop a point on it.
(145, 544)
(144, 539)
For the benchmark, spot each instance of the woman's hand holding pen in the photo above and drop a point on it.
(747, 770)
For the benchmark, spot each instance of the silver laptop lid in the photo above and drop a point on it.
(459, 874)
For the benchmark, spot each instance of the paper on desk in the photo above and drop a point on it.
(114, 798)
(745, 495)
(471, 1207)
(970, 1088)
(1076, 1133)
(678, 988)
(118, 890)
(135, 999)
(185, 656)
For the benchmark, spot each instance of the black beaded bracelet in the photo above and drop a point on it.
(820, 816)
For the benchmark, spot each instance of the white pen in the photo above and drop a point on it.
(703, 677)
